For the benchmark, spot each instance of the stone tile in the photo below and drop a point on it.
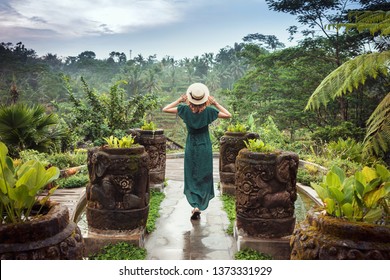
(178, 237)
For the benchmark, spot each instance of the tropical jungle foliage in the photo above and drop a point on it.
(20, 187)
(52, 104)
(364, 196)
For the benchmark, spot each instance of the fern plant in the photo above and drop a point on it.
(353, 73)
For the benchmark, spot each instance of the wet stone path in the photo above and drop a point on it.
(177, 237)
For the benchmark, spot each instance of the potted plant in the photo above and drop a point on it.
(354, 221)
(32, 227)
(154, 141)
(265, 190)
(230, 144)
(118, 191)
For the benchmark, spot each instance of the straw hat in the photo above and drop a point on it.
(197, 93)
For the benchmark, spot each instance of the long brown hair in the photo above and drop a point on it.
(198, 108)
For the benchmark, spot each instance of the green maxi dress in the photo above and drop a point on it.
(198, 156)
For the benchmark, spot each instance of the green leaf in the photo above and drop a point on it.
(348, 189)
(383, 172)
(359, 188)
(372, 198)
(373, 184)
(329, 206)
(339, 172)
(7, 180)
(3, 151)
(361, 178)
(336, 194)
(332, 180)
(373, 215)
(321, 191)
(347, 210)
(369, 173)
(19, 195)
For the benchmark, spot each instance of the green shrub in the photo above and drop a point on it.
(363, 196)
(155, 200)
(149, 126)
(306, 176)
(250, 254)
(238, 127)
(124, 142)
(345, 130)
(21, 186)
(74, 181)
(120, 251)
(60, 160)
(229, 205)
(348, 149)
(258, 146)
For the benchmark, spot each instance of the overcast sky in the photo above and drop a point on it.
(178, 28)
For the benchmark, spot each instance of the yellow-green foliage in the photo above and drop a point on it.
(149, 126)
(363, 196)
(114, 142)
(258, 146)
(238, 127)
(20, 186)
(311, 169)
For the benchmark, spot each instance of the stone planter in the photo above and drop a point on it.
(230, 144)
(155, 144)
(49, 237)
(322, 237)
(118, 192)
(265, 193)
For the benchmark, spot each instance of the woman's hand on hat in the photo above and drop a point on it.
(183, 98)
(212, 100)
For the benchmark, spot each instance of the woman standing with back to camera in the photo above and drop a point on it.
(197, 114)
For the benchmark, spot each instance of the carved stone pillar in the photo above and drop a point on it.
(51, 236)
(118, 192)
(322, 237)
(155, 144)
(265, 193)
(230, 144)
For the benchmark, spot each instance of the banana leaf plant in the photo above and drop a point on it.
(364, 196)
(20, 187)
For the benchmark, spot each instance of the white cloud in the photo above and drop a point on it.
(77, 18)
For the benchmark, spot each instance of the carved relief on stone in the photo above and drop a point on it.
(230, 144)
(155, 145)
(266, 192)
(119, 183)
(321, 237)
(53, 237)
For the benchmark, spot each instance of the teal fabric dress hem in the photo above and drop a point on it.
(198, 156)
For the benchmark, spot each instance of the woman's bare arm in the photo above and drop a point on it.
(172, 107)
(223, 112)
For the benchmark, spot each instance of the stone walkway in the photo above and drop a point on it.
(177, 237)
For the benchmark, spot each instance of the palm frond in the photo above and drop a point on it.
(27, 127)
(376, 22)
(348, 77)
(377, 140)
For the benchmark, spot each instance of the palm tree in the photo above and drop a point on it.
(353, 73)
(23, 127)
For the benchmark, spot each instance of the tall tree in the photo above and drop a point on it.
(316, 15)
(354, 73)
